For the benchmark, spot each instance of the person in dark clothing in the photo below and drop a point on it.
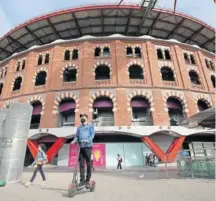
(84, 137)
(41, 159)
(119, 159)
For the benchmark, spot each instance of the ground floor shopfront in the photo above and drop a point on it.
(132, 148)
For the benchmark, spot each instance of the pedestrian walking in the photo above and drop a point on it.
(119, 160)
(40, 160)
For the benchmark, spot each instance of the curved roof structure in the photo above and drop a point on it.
(103, 20)
(205, 118)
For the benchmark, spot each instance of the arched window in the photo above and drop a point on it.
(40, 60)
(202, 105)
(18, 66)
(192, 59)
(97, 52)
(1, 88)
(5, 72)
(17, 83)
(212, 65)
(36, 114)
(141, 115)
(167, 74)
(129, 51)
(102, 72)
(207, 63)
(175, 111)
(106, 51)
(103, 114)
(41, 78)
(23, 64)
(70, 74)
(167, 55)
(194, 77)
(67, 113)
(136, 72)
(213, 80)
(1, 73)
(138, 52)
(67, 55)
(47, 58)
(159, 53)
(75, 54)
(186, 57)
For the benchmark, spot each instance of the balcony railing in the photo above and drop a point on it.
(197, 86)
(137, 81)
(35, 126)
(104, 121)
(169, 83)
(142, 122)
(102, 82)
(68, 124)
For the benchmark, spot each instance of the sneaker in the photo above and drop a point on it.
(87, 184)
(43, 184)
(28, 184)
(81, 184)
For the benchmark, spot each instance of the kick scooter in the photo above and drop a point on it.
(74, 187)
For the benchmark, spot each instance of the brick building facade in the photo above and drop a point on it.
(119, 87)
(134, 87)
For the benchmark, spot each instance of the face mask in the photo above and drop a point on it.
(83, 121)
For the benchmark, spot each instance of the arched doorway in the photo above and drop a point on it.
(141, 114)
(66, 113)
(175, 111)
(103, 114)
(36, 114)
(202, 105)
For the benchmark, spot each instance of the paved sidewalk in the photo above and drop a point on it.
(112, 188)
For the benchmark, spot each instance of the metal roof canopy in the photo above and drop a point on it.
(205, 118)
(103, 20)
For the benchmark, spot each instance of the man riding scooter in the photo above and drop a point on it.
(84, 137)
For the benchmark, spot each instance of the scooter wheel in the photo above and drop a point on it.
(72, 190)
(92, 186)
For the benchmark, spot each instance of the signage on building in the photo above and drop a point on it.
(98, 152)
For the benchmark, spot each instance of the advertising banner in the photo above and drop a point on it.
(98, 152)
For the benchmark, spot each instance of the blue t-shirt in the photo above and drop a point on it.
(85, 132)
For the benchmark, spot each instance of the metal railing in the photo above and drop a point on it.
(68, 124)
(104, 121)
(185, 166)
(142, 122)
(35, 126)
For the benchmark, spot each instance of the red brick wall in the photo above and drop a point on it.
(119, 81)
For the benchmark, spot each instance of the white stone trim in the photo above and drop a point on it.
(7, 103)
(100, 93)
(176, 94)
(15, 77)
(62, 96)
(136, 62)
(68, 65)
(38, 71)
(139, 92)
(204, 97)
(99, 63)
(39, 98)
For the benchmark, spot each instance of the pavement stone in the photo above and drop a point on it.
(111, 188)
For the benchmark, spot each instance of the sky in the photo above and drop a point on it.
(15, 12)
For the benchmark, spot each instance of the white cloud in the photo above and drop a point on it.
(4, 22)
